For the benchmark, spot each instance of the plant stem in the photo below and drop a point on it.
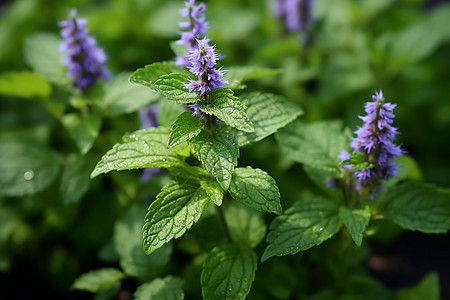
(224, 223)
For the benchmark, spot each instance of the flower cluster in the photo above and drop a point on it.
(374, 139)
(197, 28)
(83, 57)
(296, 13)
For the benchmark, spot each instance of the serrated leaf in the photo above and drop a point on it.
(75, 178)
(122, 97)
(185, 127)
(83, 128)
(246, 225)
(150, 73)
(419, 206)
(25, 84)
(141, 149)
(356, 221)
(168, 113)
(214, 191)
(218, 152)
(317, 144)
(228, 272)
(359, 161)
(224, 105)
(26, 167)
(42, 54)
(309, 222)
(95, 280)
(428, 288)
(176, 208)
(172, 86)
(268, 113)
(255, 188)
(128, 244)
(236, 75)
(167, 288)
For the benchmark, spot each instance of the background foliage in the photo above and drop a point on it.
(56, 223)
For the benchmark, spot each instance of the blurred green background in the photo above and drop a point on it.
(400, 46)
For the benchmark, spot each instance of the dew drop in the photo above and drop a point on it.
(28, 175)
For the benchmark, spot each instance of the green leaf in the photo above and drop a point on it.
(224, 105)
(428, 288)
(176, 208)
(255, 188)
(141, 149)
(236, 75)
(128, 244)
(214, 191)
(83, 128)
(122, 97)
(356, 221)
(148, 75)
(228, 272)
(186, 126)
(178, 49)
(246, 225)
(167, 288)
(419, 206)
(26, 166)
(359, 161)
(268, 113)
(317, 144)
(218, 152)
(75, 179)
(25, 84)
(309, 222)
(42, 54)
(172, 87)
(168, 113)
(95, 280)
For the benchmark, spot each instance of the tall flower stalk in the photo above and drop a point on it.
(196, 25)
(84, 59)
(375, 141)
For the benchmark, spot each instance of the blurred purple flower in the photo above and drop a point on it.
(297, 15)
(84, 58)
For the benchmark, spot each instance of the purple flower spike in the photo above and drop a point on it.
(296, 14)
(84, 59)
(196, 25)
(374, 139)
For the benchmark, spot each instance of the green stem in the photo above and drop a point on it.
(224, 223)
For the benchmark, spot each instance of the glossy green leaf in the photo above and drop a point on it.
(150, 73)
(169, 112)
(185, 127)
(167, 288)
(173, 87)
(26, 167)
(255, 188)
(96, 280)
(176, 208)
(228, 272)
(224, 105)
(359, 161)
(214, 191)
(25, 84)
(141, 149)
(122, 97)
(428, 288)
(218, 152)
(75, 178)
(42, 54)
(83, 128)
(356, 221)
(309, 222)
(128, 244)
(268, 113)
(317, 144)
(419, 206)
(246, 225)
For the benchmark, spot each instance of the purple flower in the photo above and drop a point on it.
(296, 14)
(374, 139)
(84, 59)
(196, 25)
